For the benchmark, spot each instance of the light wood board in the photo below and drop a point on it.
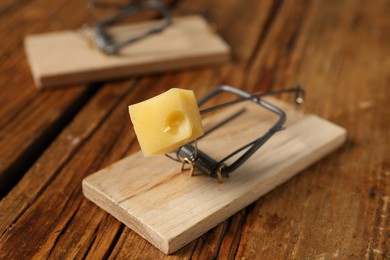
(62, 58)
(170, 209)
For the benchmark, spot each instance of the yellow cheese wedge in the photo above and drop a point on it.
(167, 121)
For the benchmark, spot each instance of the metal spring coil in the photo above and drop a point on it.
(199, 159)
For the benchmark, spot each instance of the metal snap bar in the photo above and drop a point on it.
(218, 169)
(104, 41)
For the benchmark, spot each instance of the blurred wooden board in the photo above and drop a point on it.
(170, 209)
(62, 58)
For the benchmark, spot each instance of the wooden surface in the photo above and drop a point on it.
(337, 208)
(170, 209)
(64, 57)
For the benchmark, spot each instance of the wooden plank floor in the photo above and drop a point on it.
(338, 208)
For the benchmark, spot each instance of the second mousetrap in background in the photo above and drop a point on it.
(68, 57)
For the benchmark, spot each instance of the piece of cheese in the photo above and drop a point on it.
(167, 121)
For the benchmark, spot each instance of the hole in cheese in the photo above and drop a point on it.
(175, 122)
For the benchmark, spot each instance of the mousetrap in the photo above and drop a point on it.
(68, 57)
(157, 199)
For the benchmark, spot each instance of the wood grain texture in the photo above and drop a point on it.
(155, 199)
(68, 142)
(188, 42)
(29, 120)
(337, 208)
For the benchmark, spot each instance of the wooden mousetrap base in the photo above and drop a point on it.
(62, 58)
(170, 209)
